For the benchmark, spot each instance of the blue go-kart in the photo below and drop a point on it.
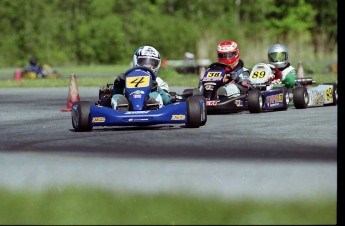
(190, 111)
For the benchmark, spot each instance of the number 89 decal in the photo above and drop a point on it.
(259, 74)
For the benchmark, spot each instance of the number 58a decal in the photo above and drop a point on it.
(213, 76)
(259, 74)
(137, 81)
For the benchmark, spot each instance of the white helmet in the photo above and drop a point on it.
(278, 55)
(147, 56)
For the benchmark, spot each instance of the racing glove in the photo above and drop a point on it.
(277, 73)
(245, 83)
(119, 84)
(154, 86)
(120, 80)
(276, 82)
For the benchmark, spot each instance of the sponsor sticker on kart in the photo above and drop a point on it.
(316, 98)
(211, 102)
(137, 119)
(274, 100)
(178, 117)
(329, 94)
(98, 119)
(136, 112)
(239, 103)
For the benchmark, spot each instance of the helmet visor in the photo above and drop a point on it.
(277, 57)
(226, 56)
(149, 62)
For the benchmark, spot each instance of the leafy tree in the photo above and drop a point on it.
(66, 32)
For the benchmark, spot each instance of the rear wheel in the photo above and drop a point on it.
(191, 92)
(202, 102)
(255, 101)
(193, 113)
(300, 97)
(81, 116)
(188, 92)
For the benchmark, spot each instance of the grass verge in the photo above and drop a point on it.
(77, 206)
(98, 76)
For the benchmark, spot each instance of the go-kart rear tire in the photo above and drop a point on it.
(255, 101)
(188, 92)
(193, 113)
(191, 92)
(202, 100)
(81, 116)
(300, 97)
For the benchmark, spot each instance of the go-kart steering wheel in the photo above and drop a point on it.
(217, 65)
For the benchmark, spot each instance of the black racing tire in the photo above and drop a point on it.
(286, 99)
(193, 113)
(188, 92)
(81, 116)
(196, 92)
(191, 92)
(300, 97)
(255, 101)
(203, 109)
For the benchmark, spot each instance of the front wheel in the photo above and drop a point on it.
(300, 97)
(194, 113)
(81, 116)
(202, 103)
(255, 101)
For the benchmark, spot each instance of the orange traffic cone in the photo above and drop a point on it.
(73, 93)
(300, 71)
(17, 74)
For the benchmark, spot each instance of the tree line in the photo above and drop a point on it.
(76, 32)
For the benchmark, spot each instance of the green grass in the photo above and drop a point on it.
(100, 75)
(92, 76)
(75, 205)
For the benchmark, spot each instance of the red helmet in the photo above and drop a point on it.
(228, 53)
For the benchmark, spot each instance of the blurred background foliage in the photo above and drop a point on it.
(91, 32)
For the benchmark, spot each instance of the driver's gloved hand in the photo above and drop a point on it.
(275, 70)
(154, 86)
(234, 75)
(119, 84)
(120, 80)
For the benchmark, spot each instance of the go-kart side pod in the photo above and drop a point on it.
(300, 97)
(81, 116)
(255, 101)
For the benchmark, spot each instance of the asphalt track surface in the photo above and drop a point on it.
(285, 154)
